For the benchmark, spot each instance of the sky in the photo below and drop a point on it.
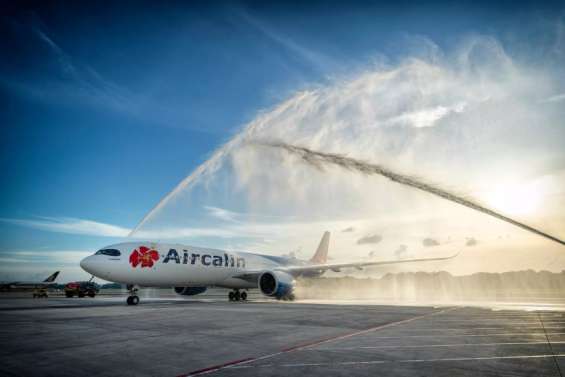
(106, 108)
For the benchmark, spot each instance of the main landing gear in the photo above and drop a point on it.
(133, 299)
(235, 295)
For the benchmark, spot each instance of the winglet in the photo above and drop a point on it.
(321, 255)
(51, 278)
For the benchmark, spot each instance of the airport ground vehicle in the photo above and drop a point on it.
(81, 289)
(40, 293)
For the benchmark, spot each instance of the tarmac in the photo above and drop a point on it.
(172, 336)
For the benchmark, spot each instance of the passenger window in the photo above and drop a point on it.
(109, 252)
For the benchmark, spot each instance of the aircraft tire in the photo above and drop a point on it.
(243, 296)
(91, 294)
(230, 296)
(236, 296)
(134, 300)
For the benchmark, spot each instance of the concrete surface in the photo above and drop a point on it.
(172, 337)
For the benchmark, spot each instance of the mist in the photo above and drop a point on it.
(475, 124)
(543, 288)
(319, 160)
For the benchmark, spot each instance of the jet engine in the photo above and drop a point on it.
(189, 291)
(277, 284)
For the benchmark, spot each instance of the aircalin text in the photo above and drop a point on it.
(204, 259)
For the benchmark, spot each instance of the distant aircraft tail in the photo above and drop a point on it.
(321, 255)
(52, 278)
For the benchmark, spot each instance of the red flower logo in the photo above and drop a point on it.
(144, 256)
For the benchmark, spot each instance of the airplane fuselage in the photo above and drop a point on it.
(166, 265)
(191, 269)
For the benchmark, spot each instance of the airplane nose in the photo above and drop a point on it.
(87, 264)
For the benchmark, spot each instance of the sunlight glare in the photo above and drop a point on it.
(516, 199)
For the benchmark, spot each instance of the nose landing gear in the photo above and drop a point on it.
(132, 299)
(235, 295)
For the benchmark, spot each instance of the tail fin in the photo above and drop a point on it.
(51, 278)
(321, 255)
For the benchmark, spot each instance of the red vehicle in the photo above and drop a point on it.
(81, 289)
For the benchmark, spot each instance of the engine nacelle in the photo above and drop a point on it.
(276, 284)
(189, 291)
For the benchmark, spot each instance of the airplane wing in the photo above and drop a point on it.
(358, 265)
(336, 267)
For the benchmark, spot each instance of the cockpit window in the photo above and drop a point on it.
(110, 252)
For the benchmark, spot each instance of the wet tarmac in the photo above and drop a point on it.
(177, 337)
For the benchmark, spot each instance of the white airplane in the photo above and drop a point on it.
(29, 285)
(190, 270)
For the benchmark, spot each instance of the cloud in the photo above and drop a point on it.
(69, 80)
(53, 256)
(11, 259)
(429, 242)
(348, 229)
(188, 232)
(402, 249)
(38, 264)
(311, 56)
(232, 230)
(99, 229)
(425, 117)
(369, 239)
(471, 242)
(71, 225)
(64, 60)
(222, 214)
(555, 98)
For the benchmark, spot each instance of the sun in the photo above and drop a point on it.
(516, 199)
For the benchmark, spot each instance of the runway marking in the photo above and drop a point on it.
(522, 316)
(242, 362)
(392, 324)
(432, 346)
(495, 324)
(216, 367)
(551, 348)
(370, 362)
(468, 335)
(496, 320)
(533, 318)
(505, 324)
(483, 328)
